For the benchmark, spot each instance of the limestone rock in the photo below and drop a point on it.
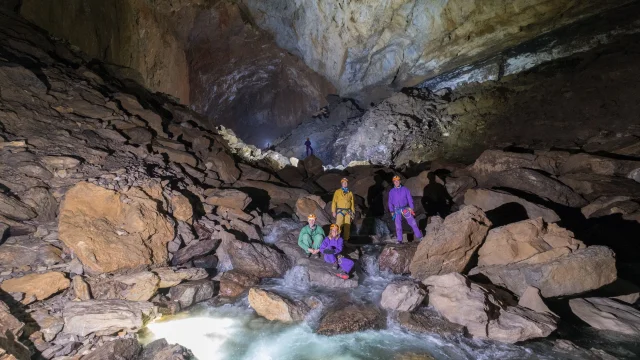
(224, 165)
(397, 258)
(256, 259)
(138, 286)
(234, 283)
(15, 209)
(587, 163)
(170, 277)
(324, 275)
(607, 314)
(106, 317)
(192, 292)
(488, 200)
(109, 231)
(275, 307)
(49, 325)
(312, 165)
(230, 198)
(121, 349)
(276, 194)
(532, 300)
(402, 296)
(594, 186)
(491, 162)
(194, 250)
(556, 274)
(450, 248)
(429, 322)
(161, 350)
(312, 204)
(182, 208)
(351, 318)
(36, 286)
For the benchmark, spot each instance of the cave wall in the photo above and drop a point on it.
(380, 46)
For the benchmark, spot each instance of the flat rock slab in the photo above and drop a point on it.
(106, 317)
(607, 314)
(321, 274)
(428, 322)
(351, 318)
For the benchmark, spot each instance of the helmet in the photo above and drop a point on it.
(395, 178)
(311, 216)
(334, 226)
(344, 179)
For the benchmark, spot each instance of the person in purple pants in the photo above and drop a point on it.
(331, 248)
(401, 206)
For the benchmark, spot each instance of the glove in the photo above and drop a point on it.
(329, 251)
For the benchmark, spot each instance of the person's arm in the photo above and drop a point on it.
(353, 206)
(409, 198)
(339, 245)
(325, 244)
(302, 233)
(334, 202)
(390, 201)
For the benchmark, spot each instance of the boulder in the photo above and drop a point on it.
(323, 275)
(607, 314)
(36, 286)
(482, 311)
(12, 349)
(491, 162)
(351, 318)
(557, 272)
(181, 208)
(313, 166)
(161, 350)
(231, 198)
(106, 317)
(450, 248)
(275, 194)
(120, 349)
(138, 286)
(275, 307)
(417, 184)
(192, 292)
(402, 296)
(397, 258)
(28, 251)
(312, 204)
(428, 321)
(234, 283)
(15, 209)
(256, 259)
(537, 183)
(587, 163)
(8, 322)
(48, 325)
(138, 135)
(170, 277)
(80, 288)
(601, 203)
(225, 166)
(519, 241)
(193, 250)
(488, 200)
(178, 156)
(41, 200)
(109, 231)
(59, 162)
(206, 262)
(593, 186)
(532, 300)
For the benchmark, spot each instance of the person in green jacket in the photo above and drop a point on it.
(311, 237)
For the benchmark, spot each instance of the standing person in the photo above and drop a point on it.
(343, 208)
(401, 205)
(308, 145)
(311, 237)
(331, 248)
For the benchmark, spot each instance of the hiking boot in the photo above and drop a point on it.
(309, 255)
(318, 256)
(343, 275)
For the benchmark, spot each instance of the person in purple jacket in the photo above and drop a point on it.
(331, 248)
(401, 205)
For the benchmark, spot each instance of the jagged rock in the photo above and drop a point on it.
(36, 286)
(59, 162)
(429, 322)
(178, 156)
(12, 349)
(417, 184)
(312, 165)
(402, 296)
(492, 162)
(628, 209)
(109, 231)
(121, 349)
(41, 200)
(607, 314)
(594, 186)
(621, 290)
(532, 300)
(252, 173)
(193, 250)
(224, 165)
(161, 350)
(233, 214)
(234, 283)
(8, 322)
(28, 251)
(488, 200)
(15, 209)
(49, 325)
(138, 135)
(250, 230)
(192, 292)
(229, 198)
(351, 318)
(138, 286)
(182, 208)
(312, 204)
(170, 277)
(206, 262)
(556, 272)
(275, 307)
(537, 183)
(276, 194)
(256, 259)
(323, 275)
(397, 258)
(483, 313)
(522, 240)
(106, 317)
(451, 247)
(587, 163)
(457, 186)
(80, 288)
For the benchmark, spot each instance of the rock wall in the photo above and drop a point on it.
(372, 44)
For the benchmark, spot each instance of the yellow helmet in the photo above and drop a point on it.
(396, 178)
(344, 179)
(334, 226)
(311, 216)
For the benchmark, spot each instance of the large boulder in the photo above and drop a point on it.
(402, 296)
(231, 198)
(557, 272)
(450, 248)
(488, 200)
(275, 307)
(138, 286)
(41, 200)
(234, 283)
(255, 258)
(36, 286)
(312, 204)
(351, 318)
(120, 349)
(397, 258)
(312, 165)
(428, 321)
(607, 314)
(31, 251)
(106, 317)
(273, 193)
(194, 250)
(601, 203)
(109, 231)
(192, 292)
(484, 312)
(593, 186)
(519, 241)
(161, 350)
(587, 163)
(224, 165)
(491, 162)
(323, 275)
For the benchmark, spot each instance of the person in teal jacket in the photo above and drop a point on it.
(311, 237)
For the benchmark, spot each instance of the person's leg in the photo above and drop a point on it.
(399, 227)
(306, 242)
(317, 241)
(346, 227)
(412, 222)
(346, 264)
(340, 221)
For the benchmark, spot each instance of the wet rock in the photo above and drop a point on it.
(161, 350)
(522, 240)
(229, 198)
(428, 322)
(275, 307)
(170, 277)
(15, 209)
(192, 292)
(36, 286)
(324, 275)
(138, 286)
(234, 283)
(402, 296)
(312, 204)
(556, 272)
(256, 259)
(607, 314)
(482, 311)
(397, 258)
(106, 317)
(193, 250)
(451, 247)
(121, 349)
(109, 231)
(350, 319)
(488, 200)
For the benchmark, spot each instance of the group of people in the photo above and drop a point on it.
(312, 238)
